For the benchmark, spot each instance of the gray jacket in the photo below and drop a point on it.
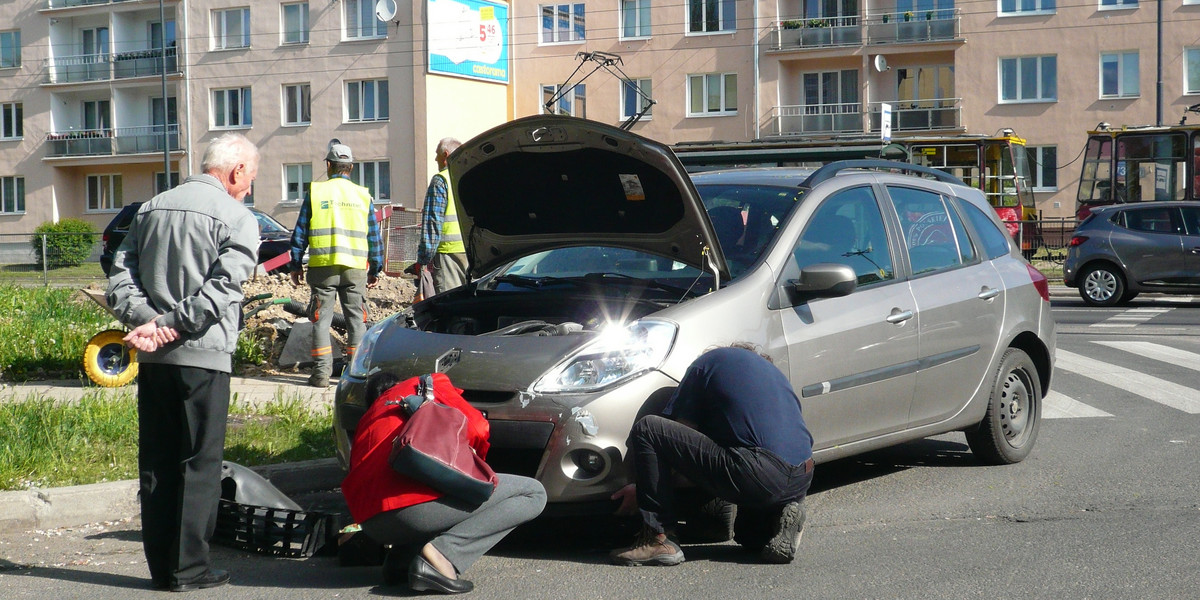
(183, 263)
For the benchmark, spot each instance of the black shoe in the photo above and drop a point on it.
(786, 532)
(422, 577)
(210, 579)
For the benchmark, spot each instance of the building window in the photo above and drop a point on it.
(635, 18)
(712, 94)
(562, 23)
(97, 115)
(1043, 164)
(367, 100)
(231, 108)
(361, 22)
(573, 102)
(103, 192)
(1118, 4)
(295, 23)
(12, 120)
(12, 195)
(376, 176)
(635, 96)
(711, 16)
(297, 106)
(296, 179)
(1026, 7)
(1191, 59)
(1029, 79)
(10, 49)
(231, 28)
(1119, 75)
(160, 181)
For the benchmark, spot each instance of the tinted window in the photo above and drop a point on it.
(1191, 218)
(1155, 220)
(746, 218)
(929, 234)
(995, 242)
(848, 229)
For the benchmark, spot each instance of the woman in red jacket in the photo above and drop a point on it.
(398, 511)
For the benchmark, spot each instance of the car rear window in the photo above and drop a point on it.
(995, 241)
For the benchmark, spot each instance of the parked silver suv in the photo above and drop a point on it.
(896, 304)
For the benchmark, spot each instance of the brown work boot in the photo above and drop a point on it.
(649, 548)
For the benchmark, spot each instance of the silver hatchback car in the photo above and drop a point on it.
(896, 304)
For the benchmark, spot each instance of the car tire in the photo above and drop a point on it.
(1014, 413)
(107, 361)
(1102, 285)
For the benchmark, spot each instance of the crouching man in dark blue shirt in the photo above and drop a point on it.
(733, 428)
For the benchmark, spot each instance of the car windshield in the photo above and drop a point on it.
(747, 218)
(266, 224)
(613, 268)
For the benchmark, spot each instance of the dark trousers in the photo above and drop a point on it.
(181, 439)
(751, 477)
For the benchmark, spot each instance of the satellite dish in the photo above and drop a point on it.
(880, 63)
(385, 10)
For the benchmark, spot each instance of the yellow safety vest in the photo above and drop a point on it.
(337, 233)
(451, 241)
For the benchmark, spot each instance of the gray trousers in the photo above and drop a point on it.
(461, 534)
(449, 271)
(331, 284)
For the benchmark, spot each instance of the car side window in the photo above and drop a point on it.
(933, 239)
(1191, 219)
(848, 229)
(1154, 220)
(995, 241)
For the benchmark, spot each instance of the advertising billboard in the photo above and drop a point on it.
(468, 38)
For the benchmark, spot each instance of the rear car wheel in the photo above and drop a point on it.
(1102, 285)
(107, 361)
(1014, 414)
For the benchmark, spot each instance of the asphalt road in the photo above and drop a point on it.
(1106, 507)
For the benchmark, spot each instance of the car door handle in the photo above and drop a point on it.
(987, 293)
(1195, 249)
(899, 316)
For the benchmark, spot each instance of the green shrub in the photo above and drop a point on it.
(68, 243)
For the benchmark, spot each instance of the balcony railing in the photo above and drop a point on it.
(813, 119)
(109, 142)
(928, 26)
(74, 3)
(937, 113)
(832, 32)
(818, 33)
(106, 67)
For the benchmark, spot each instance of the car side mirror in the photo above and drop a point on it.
(822, 280)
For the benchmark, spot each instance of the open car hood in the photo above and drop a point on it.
(551, 181)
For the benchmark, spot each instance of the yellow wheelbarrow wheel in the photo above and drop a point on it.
(108, 361)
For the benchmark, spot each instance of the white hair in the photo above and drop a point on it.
(227, 151)
(448, 145)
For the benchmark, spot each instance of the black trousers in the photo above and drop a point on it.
(750, 477)
(181, 438)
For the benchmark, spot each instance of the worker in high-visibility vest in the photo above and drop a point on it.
(345, 254)
(441, 252)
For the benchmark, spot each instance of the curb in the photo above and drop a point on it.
(50, 508)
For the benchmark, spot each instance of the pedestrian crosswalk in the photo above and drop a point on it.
(1135, 383)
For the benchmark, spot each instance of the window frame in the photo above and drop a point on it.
(15, 183)
(1191, 66)
(14, 36)
(12, 115)
(360, 106)
(638, 9)
(576, 99)
(631, 86)
(301, 183)
(1117, 4)
(1121, 57)
(1037, 160)
(303, 97)
(576, 18)
(723, 111)
(1040, 77)
(115, 188)
(305, 25)
(1019, 11)
(365, 20)
(724, 23)
(357, 175)
(219, 22)
(243, 100)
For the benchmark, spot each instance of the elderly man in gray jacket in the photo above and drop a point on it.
(176, 281)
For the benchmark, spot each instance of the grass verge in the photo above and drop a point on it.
(47, 443)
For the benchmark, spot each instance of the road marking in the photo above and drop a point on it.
(1159, 352)
(1058, 406)
(1132, 317)
(1152, 388)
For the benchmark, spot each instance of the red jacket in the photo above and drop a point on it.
(372, 486)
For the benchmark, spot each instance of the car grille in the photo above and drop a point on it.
(517, 446)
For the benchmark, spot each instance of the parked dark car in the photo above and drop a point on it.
(1124, 249)
(274, 237)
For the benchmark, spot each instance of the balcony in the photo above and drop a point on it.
(850, 31)
(813, 119)
(110, 142)
(107, 67)
(74, 3)
(907, 27)
(817, 33)
(920, 115)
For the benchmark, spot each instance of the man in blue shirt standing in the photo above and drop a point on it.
(733, 428)
(441, 255)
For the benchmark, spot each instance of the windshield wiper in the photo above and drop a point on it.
(526, 281)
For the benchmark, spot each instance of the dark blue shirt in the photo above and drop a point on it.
(739, 399)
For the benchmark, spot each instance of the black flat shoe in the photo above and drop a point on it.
(210, 579)
(422, 577)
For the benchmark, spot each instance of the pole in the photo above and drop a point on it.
(1158, 91)
(162, 61)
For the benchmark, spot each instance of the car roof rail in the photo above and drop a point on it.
(832, 169)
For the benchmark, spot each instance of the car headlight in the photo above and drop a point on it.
(360, 365)
(619, 353)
